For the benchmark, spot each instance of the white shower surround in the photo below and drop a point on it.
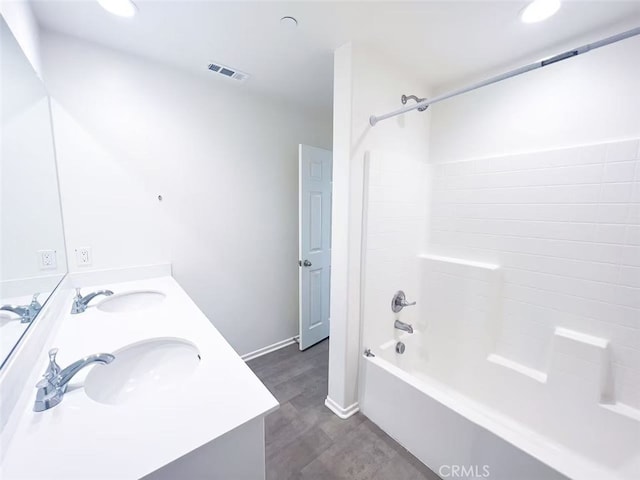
(531, 385)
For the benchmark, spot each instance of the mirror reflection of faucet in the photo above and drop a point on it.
(80, 303)
(26, 312)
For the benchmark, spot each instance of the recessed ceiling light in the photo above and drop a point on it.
(289, 22)
(122, 8)
(539, 10)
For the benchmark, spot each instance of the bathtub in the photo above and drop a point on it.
(481, 420)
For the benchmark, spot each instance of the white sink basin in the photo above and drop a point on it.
(143, 371)
(131, 301)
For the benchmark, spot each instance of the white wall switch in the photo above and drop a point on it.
(47, 260)
(83, 256)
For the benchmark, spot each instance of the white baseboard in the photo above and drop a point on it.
(269, 348)
(343, 413)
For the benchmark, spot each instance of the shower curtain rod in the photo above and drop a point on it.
(373, 119)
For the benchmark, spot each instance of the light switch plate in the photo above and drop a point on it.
(47, 260)
(83, 256)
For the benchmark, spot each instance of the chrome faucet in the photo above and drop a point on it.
(405, 327)
(27, 312)
(399, 301)
(80, 303)
(52, 387)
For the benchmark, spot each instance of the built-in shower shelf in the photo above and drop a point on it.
(622, 409)
(578, 371)
(460, 261)
(537, 375)
(581, 340)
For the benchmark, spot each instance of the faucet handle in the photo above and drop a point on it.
(78, 294)
(399, 301)
(52, 354)
(53, 370)
(46, 385)
(35, 305)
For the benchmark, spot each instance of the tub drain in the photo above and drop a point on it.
(400, 348)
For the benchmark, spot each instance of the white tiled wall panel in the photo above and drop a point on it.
(565, 227)
(396, 220)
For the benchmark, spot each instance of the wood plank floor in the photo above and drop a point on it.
(304, 440)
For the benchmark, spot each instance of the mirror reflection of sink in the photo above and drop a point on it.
(143, 371)
(131, 301)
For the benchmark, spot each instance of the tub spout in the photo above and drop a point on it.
(405, 327)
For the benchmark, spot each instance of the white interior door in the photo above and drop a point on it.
(315, 167)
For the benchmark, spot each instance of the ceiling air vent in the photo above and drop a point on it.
(228, 72)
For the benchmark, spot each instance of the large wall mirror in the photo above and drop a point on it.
(32, 254)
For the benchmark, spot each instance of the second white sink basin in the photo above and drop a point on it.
(143, 371)
(131, 301)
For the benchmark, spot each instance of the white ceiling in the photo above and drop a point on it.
(445, 43)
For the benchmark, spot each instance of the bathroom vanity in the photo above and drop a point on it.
(177, 398)
(152, 389)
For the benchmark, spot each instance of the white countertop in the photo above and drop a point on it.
(82, 439)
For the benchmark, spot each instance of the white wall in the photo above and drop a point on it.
(364, 83)
(224, 160)
(591, 98)
(31, 220)
(23, 25)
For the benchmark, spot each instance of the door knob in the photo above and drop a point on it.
(306, 263)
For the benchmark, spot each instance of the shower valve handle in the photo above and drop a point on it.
(399, 301)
